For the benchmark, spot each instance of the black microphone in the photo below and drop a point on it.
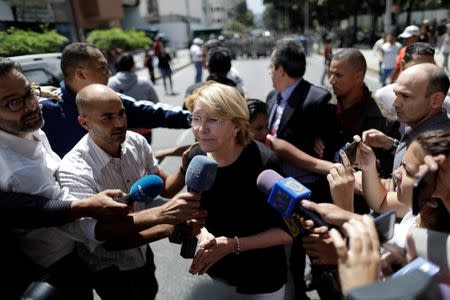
(200, 176)
(285, 195)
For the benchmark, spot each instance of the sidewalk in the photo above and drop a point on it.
(181, 60)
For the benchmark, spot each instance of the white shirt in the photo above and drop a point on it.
(87, 170)
(390, 55)
(196, 53)
(29, 166)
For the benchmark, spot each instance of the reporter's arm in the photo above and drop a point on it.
(291, 154)
(141, 238)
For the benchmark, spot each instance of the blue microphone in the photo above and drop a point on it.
(145, 189)
(285, 195)
(200, 176)
(201, 173)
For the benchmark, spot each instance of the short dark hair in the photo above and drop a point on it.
(255, 107)
(423, 49)
(125, 62)
(219, 60)
(353, 57)
(7, 65)
(290, 55)
(435, 142)
(73, 55)
(437, 80)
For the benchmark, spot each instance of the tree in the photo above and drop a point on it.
(241, 14)
(127, 40)
(15, 41)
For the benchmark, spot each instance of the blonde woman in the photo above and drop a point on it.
(241, 242)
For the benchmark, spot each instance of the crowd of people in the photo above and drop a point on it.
(69, 162)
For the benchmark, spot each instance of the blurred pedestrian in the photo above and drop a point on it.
(390, 50)
(378, 51)
(196, 58)
(166, 70)
(327, 55)
(409, 36)
(148, 62)
(444, 47)
(127, 82)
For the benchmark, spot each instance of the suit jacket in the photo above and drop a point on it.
(305, 117)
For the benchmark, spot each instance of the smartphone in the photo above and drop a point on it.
(350, 150)
(423, 189)
(384, 224)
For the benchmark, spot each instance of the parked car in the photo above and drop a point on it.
(41, 69)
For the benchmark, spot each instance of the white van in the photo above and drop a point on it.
(42, 69)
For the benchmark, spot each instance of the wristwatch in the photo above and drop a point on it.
(395, 145)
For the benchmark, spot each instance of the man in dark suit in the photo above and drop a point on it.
(299, 113)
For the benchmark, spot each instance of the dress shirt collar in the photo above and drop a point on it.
(103, 157)
(286, 93)
(26, 147)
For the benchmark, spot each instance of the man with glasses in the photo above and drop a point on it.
(29, 165)
(299, 114)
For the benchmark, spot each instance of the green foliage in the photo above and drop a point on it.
(15, 41)
(236, 26)
(118, 38)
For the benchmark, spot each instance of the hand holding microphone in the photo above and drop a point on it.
(200, 176)
(144, 190)
(285, 195)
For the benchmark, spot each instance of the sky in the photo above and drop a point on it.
(256, 6)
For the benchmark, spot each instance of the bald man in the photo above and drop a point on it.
(419, 93)
(416, 53)
(109, 155)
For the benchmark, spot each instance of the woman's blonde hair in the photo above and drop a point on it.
(223, 102)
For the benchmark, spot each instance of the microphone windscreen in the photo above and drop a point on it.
(201, 173)
(146, 188)
(267, 179)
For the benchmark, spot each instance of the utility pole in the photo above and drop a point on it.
(306, 26)
(76, 30)
(387, 16)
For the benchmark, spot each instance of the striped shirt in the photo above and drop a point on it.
(87, 170)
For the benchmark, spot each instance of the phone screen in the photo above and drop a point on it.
(423, 189)
(350, 150)
(384, 224)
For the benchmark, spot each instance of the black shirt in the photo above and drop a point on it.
(236, 207)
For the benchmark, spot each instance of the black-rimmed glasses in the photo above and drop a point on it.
(16, 104)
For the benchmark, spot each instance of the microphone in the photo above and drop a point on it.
(144, 190)
(285, 195)
(200, 176)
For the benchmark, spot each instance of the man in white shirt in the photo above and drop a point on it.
(29, 165)
(196, 57)
(110, 156)
(389, 50)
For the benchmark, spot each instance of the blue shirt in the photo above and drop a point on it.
(63, 130)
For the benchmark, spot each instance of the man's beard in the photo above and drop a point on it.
(36, 123)
(23, 125)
